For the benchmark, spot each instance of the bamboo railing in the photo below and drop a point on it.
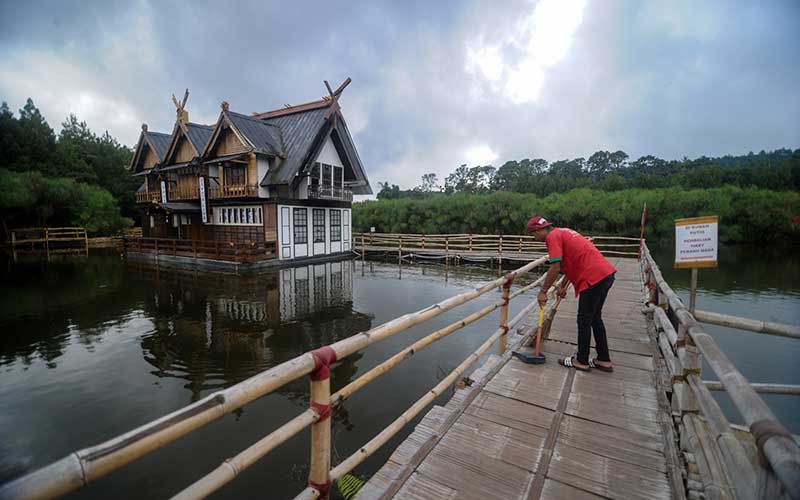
(89, 464)
(724, 467)
(453, 245)
(50, 239)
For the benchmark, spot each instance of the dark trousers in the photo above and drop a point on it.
(590, 310)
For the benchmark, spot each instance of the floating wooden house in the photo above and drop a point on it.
(276, 185)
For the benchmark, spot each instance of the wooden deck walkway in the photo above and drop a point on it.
(529, 432)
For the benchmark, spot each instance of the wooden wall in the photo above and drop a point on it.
(227, 143)
(185, 151)
(150, 158)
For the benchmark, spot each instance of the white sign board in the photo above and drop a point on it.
(203, 208)
(163, 191)
(696, 242)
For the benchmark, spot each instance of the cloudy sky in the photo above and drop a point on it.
(435, 84)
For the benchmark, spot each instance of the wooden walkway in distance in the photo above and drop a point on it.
(527, 432)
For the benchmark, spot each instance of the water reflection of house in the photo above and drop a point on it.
(214, 333)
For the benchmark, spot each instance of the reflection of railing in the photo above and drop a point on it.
(219, 250)
(477, 244)
(183, 192)
(684, 345)
(90, 464)
(329, 193)
(233, 191)
(148, 196)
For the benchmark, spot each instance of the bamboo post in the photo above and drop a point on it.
(693, 291)
(319, 471)
(86, 242)
(470, 242)
(400, 250)
(47, 242)
(423, 242)
(446, 251)
(503, 340)
(500, 250)
(363, 251)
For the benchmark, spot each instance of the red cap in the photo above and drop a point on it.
(537, 223)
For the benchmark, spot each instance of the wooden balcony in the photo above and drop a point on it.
(233, 191)
(185, 192)
(329, 193)
(148, 196)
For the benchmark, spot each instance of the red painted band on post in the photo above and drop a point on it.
(504, 328)
(323, 357)
(509, 281)
(323, 488)
(324, 411)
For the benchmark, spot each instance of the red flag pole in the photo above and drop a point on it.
(641, 234)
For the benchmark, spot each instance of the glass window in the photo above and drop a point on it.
(319, 225)
(235, 216)
(326, 174)
(235, 176)
(337, 177)
(300, 225)
(314, 177)
(260, 215)
(336, 225)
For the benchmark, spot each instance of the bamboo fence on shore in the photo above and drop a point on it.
(465, 246)
(84, 466)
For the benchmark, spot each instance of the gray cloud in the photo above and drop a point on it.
(673, 79)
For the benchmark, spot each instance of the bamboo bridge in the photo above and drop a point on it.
(650, 429)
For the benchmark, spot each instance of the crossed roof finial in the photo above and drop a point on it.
(334, 97)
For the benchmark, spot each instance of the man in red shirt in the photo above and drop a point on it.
(591, 275)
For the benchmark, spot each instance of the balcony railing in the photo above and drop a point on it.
(329, 193)
(233, 191)
(185, 192)
(217, 250)
(148, 196)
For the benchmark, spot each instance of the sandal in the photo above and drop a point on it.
(607, 369)
(570, 364)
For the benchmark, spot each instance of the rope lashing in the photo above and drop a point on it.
(323, 358)
(509, 281)
(324, 411)
(323, 488)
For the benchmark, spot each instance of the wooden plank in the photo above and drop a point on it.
(607, 477)
(626, 446)
(554, 490)
(511, 413)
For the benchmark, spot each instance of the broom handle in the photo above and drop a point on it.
(539, 330)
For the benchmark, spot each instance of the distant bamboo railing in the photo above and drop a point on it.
(89, 464)
(49, 239)
(721, 459)
(453, 245)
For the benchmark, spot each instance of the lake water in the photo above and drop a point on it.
(91, 348)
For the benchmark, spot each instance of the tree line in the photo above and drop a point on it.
(746, 214)
(75, 177)
(612, 171)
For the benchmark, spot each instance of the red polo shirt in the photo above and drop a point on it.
(581, 261)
